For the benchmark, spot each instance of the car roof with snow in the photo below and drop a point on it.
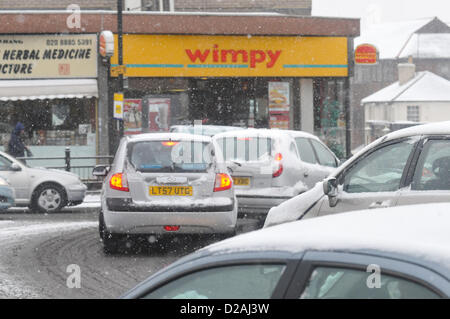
(257, 132)
(168, 136)
(417, 231)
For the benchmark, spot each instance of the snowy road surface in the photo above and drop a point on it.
(36, 250)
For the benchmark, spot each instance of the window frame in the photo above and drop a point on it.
(336, 162)
(390, 265)
(314, 154)
(406, 171)
(418, 152)
(210, 262)
(409, 110)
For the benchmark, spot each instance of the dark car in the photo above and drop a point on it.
(401, 252)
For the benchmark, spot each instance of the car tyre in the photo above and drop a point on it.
(110, 240)
(48, 198)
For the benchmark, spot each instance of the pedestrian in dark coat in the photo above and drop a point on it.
(16, 146)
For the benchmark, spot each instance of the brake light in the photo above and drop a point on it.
(171, 228)
(223, 182)
(279, 171)
(119, 182)
(169, 143)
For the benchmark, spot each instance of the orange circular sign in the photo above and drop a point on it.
(366, 54)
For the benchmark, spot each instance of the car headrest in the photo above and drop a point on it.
(441, 167)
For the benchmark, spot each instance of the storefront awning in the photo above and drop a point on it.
(14, 90)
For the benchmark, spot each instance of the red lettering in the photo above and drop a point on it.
(273, 58)
(256, 56)
(234, 55)
(197, 55)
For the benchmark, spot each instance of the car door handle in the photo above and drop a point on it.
(306, 173)
(380, 204)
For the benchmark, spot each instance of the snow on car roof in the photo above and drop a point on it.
(262, 132)
(419, 231)
(438, 128)
(166, 136)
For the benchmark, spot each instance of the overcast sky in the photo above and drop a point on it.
(376, 11)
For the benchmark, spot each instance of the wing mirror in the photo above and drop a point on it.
(15, 167)
(100, 170)
(330, 188)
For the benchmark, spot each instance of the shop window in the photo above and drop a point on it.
(64, 122)
(329, 115)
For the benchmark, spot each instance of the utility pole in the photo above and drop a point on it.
(120, 58)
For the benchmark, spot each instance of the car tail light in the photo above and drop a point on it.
(169, 143)
(223, 182)
(279, 170)
(119, 182)
(171, 228)
(278, 157)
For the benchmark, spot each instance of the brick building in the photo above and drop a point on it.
(298, 7)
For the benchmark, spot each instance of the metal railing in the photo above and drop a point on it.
(81, 168)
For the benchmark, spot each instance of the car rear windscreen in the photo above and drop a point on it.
(246, 148)
(170, 156)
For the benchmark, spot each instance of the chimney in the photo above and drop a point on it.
(406, 71)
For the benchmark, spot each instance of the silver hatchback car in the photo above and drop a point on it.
(165, 184)
(272, 166)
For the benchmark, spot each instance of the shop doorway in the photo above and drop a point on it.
(222, 101)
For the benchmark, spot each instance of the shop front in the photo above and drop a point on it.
(284, 82)
(49, 83)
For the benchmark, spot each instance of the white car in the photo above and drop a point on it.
(165, 184)
(43, 190)
(398, 253)
(272, 166)
(408, 166)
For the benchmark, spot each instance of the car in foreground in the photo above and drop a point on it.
(408, 166)
(400, 252)
(272, 166)
(42, 190)
(208, 130)
(165, 184)
(7, 196)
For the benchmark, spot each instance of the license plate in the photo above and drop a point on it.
(170, 190)
(241, 181)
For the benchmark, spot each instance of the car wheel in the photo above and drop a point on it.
(48, 198)
(110, 241)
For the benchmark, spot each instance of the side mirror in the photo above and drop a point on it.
(330, 189)
(100, 170)
(15, 167)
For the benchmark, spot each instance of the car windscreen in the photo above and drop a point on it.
(170, 156)
(246, 149)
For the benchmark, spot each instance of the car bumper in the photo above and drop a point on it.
(249, 205)
(153, 222)
(76, 193)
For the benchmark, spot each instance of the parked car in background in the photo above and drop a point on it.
(208, 130)
(272, 166)
(42, 190)
(165, 184)
(398, 253)
(408, 166)
(6, 195)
